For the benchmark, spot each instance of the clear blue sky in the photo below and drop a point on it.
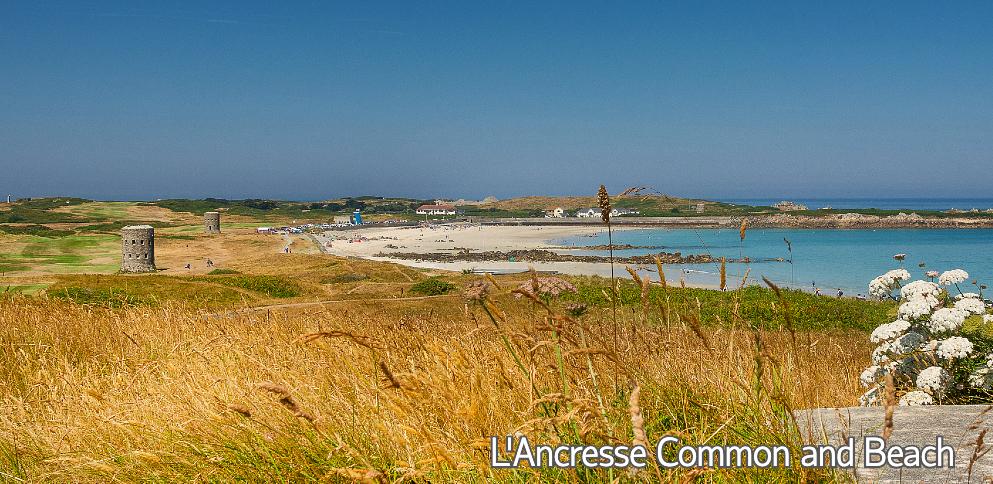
(309, 100)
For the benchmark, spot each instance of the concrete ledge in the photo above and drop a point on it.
(958, 425)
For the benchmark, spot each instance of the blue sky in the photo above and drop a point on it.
(310, 100)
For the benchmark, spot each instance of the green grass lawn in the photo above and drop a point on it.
(60, 255)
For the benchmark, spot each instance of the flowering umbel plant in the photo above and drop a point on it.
(925, 349)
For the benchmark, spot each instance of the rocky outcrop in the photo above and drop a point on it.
(859, 220)
(538, 255)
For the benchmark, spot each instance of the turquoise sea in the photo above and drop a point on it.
(826, 259)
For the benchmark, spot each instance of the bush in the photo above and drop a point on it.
(34, 229)
(344, 278)
(432, 286)
(219, 272)
(99, 297)
(269, 285)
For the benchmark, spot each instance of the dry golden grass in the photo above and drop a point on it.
(375, 391)
(234, 248)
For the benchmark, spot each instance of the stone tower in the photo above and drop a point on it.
(138, 248)
(212, 222)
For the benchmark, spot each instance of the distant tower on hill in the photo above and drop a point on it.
(212, 222)
(138, 248)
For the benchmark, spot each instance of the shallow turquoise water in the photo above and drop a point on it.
(827, 259)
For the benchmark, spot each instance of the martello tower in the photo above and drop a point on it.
(138, 248)
(212, 222)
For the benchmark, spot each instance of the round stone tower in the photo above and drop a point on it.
(138, 248)
(212, 222)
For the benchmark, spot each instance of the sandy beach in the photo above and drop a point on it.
(371, 243)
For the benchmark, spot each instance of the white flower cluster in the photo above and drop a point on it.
(923, 289)
(946, 319)
(889, 331)
(970, 305)
(952, 277)
(953, 348)
(981, 377)
(916, 308)
(882, 287)
(933, 379)
(915, 398)
(924, 347)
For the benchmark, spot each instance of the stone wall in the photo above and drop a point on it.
(138, 248)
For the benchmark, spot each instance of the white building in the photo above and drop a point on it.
(436, 210)
(558, 212)
(618, 212)
(788, 206)
(587, 213)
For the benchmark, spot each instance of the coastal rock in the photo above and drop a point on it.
(540, 255)
(856, 220)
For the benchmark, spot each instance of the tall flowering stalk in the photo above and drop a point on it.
(603, 200)
(789, 248)
(741, 238)
(924, 351)
(724, 273)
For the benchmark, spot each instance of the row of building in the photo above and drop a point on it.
(559, 212)
(436, 209)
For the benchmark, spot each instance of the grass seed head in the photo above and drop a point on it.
(603, 200)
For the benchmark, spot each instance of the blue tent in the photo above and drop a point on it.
(357, 217)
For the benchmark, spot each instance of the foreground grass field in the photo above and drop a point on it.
(408, 389)
(267, 366)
